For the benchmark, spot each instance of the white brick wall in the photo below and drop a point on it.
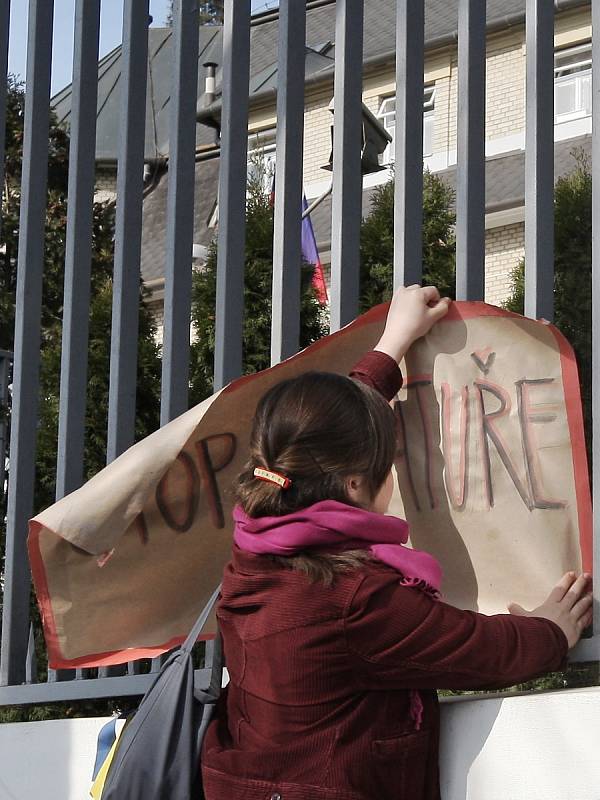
(317, 136)
(505, 88)
(106, 184)
(504, 248)
(505, 94)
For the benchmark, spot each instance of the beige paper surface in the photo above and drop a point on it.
(485, 471)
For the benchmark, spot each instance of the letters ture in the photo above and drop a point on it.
(476, 417)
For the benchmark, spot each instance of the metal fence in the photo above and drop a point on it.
(17, 669)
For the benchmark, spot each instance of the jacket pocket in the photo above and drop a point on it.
(401, 763)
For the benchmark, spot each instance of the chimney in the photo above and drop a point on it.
(209, 82)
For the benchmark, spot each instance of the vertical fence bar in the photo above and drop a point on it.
(596, 317)
(128, 230)
(73, 379)
(287, 258)
(31, 675)
(232, 192)
(4, 37)
(408, 189)
(128, 237)
(15, 609)
(5, 362)
(470, 168)
(539, 160)
(78, 257)
(346, 204)
(180, 211)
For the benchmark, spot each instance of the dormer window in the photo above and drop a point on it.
(573, 83)
(387, 114)
(261, 158)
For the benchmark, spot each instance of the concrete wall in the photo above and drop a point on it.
(542, 747)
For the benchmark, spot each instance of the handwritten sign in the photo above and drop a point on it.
(490, 473)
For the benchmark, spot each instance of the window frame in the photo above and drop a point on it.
(574, 73)
(429, 94)
(263, 143)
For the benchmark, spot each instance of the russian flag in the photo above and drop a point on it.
(310, 254)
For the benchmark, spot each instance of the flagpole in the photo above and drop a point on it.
(318, 201)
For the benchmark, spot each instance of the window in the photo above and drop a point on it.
(261, 158)
(573, 83)
(387, 114)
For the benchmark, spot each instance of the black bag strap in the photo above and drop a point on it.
(201, 621)
(216, 674)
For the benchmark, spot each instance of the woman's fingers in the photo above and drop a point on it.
(562, 587)
(582, 606)
(586, 619)
(575, 592)
(431, 294)
(516, 610)
(439, 310)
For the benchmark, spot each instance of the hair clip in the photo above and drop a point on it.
(271, 477)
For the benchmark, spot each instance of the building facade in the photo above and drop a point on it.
(504, 124)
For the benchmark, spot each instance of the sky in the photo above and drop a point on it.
(111, 12)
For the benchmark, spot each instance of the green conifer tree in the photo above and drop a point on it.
(148, 367)
(377, 241)
(258, 273)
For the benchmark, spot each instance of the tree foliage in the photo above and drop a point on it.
(211, 13)
(52, 305)
(148, 370)
(377, 241)
(258, 273)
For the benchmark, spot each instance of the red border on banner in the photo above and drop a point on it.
(56, 660)
(572, 395)
(457, 311)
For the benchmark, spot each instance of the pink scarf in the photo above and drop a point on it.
(333, 526)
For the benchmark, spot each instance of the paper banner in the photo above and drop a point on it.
(491, 474)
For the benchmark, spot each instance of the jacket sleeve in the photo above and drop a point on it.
(380, 372)
(401, 637)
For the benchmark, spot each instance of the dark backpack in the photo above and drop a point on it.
(157, 756)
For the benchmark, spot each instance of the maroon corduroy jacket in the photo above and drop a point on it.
(318, 704)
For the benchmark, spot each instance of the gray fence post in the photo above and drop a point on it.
(232, 192)
(539, 161)
(128, 230)
(180, 212)
(470, 168)
(408, 144)
(15, 608)
(346, 203)
(287, 259)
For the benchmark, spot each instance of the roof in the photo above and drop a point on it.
(160, 57)
(505, 188)
(504, 183)
(505, 173)
(379, 44)
(379, 40)
(154, 219)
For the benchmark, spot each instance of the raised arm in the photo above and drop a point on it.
(412, 312)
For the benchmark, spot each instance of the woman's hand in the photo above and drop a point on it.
(413, 311)
(569, 605)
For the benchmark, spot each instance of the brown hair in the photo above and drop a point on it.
(317, 429)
